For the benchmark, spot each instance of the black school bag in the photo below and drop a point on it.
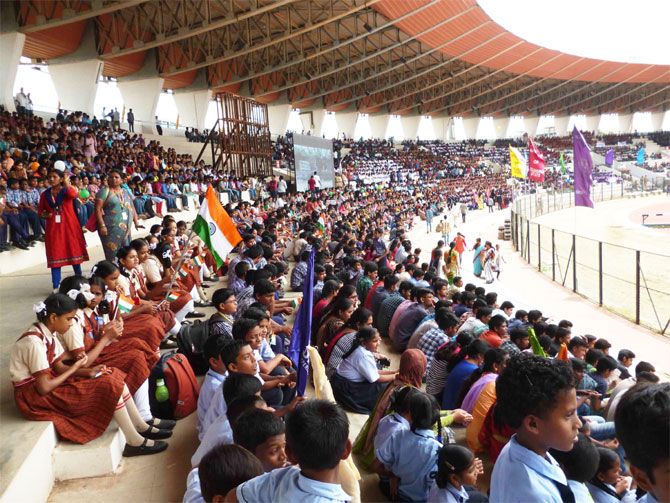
(191, 343)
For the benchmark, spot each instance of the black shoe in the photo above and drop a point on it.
(156, 435)
(168, 344)
(205, 286)
(166, 424)
(200, 303)
(21, 245)
(40, 238)
(195, 314)
(142, 450)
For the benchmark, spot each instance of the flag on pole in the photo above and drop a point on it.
(609, 157)
(302, 330)
(583, 169)
(536, 163)
(197, 260)
(183, 271)
(640, 156)
(518, 163)
(216, 228)
(562, 163)
(172, 296)
(321, 224)
(125, 304)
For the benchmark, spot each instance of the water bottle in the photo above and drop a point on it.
(162, 393)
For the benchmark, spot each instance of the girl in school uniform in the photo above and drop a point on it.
(50, 384)
(145, 320)
(357, 383)
(131, 266)
(457, 468)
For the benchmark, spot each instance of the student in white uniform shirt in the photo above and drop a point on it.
(357, 382)
(222, 469)
(399, 419)
(608, 486)
(457, 468)
(214, 378)
(317, 438)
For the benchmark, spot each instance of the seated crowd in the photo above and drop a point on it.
(556, 416)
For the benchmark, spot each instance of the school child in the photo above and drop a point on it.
(236, 387)
(399, 419)
(608, 486)
(81, 401)
(269, 362)
(537, 397)
(457, 468)
(357, 382)
(221, 322)
(214, 378)
(146, 321)
(579, 465)
(264, 435)
(277, 390)
(641, 421)
(91, 334)
(317, 438)
(221, 469)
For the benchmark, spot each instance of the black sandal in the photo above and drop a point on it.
(143, 450)
(165, 424)
(156, 435)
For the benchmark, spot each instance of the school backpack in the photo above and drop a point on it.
(183, 388)
(191, 343)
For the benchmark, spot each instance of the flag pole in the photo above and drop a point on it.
(180, 262)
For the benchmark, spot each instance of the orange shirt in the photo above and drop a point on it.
(491, 338)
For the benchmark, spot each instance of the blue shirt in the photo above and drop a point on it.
(580, 491)
(412, 457)
(193, 494)
(210, 386)
(219, 432)
(520, 475)
(448, 495)
(288, 485)
(387, 426)
(454, 382)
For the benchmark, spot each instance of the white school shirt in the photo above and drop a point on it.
(219, 432)
(212, 384)
(580, 491)
(217, 408)
(600, 496)
(289, 485)
(193, 494)
(360, 366)
(520, 475)
(387, 426)
(447, 495)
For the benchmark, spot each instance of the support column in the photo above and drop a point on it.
(592, 122)
(317, 117)
(470, 126)
(11, 48)
(561, 125)
(346, 123)
(278, 118)
(378, 125)
(410, 126)
(657, 120)
(440, 126)
(75, 76)
(192, 108)
(625, 123)
(140, 92)
(500, 127)
(530, 125)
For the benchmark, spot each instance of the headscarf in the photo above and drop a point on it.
(410, 373)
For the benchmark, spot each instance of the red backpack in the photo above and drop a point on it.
(183, 388)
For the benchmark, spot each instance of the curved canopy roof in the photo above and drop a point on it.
(394, 56)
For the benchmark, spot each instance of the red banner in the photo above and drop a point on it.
(535, 163)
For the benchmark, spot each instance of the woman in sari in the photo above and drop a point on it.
(477, 261)
(451, 265)
(341, 312)
(115, 210)
(489, 257)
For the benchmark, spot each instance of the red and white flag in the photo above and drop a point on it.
(535, 163)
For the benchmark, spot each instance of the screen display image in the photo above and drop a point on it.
(313, 154)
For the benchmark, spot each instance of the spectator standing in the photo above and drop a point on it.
(130, 117)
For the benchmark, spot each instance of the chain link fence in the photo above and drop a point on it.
(633, 283)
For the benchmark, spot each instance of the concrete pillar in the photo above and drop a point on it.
(11, 48)
(470, 127)
(530, 124)
(625, 123)
(561, 125)
(192, 108)
(500, 126)
(410, 126)
(440, 125)
(657, 120)
(140, 92)
(378, 125)
(317, 119)
(75, 76)
(346, 123)
(592, 122)
(278, 118)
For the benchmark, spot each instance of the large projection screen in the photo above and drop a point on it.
(313, 154)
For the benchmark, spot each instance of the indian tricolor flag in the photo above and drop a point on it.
(216, 228)
(125, 304)
(197, 260)
(172, 296)
(321, 224)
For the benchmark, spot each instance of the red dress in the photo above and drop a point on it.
(64, 239)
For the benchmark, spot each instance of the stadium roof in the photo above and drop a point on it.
(434, 57)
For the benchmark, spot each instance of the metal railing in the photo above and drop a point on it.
(633, 283)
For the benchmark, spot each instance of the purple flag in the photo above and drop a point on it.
(609, 157)
(583, 169)
(302, 330)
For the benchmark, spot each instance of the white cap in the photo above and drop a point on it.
(59, 166)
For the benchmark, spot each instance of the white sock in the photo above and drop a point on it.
(133, 413)
(194, 293)
(122, 418)
(141, 398)
(188, 308)
(175, 328)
